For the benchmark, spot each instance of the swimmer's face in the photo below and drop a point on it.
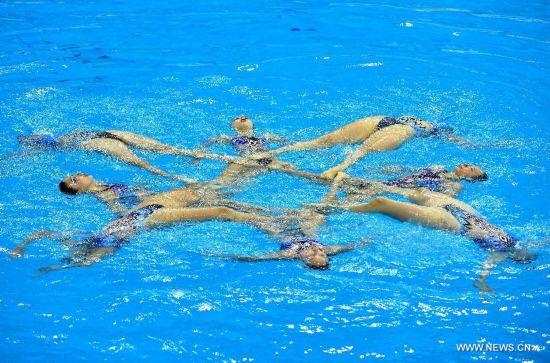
(79, 182)
(315, 258)
(470, 172)
(242, 124)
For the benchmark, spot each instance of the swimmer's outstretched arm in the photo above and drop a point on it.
(222, 139)
(401, 169)
(19, 250)
(283, 255)
(334, 250)
(493, 260)
(396, 169)
(275, 138)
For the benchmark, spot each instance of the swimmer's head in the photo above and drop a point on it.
(315, 258)
(78, 183)
(470, 172)
(242, 124)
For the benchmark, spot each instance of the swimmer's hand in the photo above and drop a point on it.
(352, 246)
(275, 138)
(282, 165)
(262, 155)
(334, 250)
(47, 269)
(321, 208)
(17, 252)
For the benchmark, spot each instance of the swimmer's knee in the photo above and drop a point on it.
(224, 212)
(379, 201)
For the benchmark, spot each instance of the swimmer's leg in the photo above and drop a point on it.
(352, 133)
(175, 215)
(119, 150)
(313, 216)
(91, 257)
(389, 138)
(330, 197)
(431, 217)
(175, 198)
(149, 144)
(234, 173)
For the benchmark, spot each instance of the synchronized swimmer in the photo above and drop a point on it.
(151, 211)
(375, 134)
(431, 189)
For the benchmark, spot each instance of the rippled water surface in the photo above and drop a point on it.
(180, 71)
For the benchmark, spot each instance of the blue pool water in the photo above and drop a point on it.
(179, 72)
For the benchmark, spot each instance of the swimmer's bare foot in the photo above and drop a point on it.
(331, 173)
(341, 176)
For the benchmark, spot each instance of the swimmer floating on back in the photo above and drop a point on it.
(118, 197)
(115, 144)
(121, 198)
(440, 211)
(299, 242)
(376, 133)
(248, 146)
(436, 178)
(161, 209)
